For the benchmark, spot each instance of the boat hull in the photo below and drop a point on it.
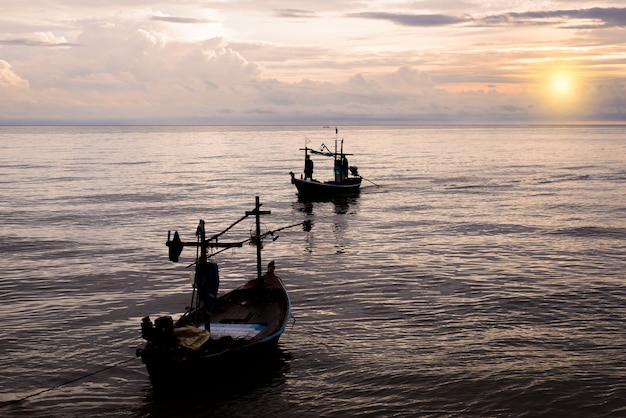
(312, 189)
(168, 372)
(262, 310)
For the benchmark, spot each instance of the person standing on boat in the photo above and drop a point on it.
(269, 275)
(308, 167)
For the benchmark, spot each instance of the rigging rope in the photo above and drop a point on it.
(14, 401)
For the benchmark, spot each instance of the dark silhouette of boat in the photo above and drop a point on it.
(345, 183)
(218, 335)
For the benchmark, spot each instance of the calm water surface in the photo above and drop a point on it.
(481, 275)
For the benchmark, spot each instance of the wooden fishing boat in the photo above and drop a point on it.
(217, 335)
(346, 181)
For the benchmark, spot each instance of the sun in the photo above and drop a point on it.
(558, 88)
(562, 85)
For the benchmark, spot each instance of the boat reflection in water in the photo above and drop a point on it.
(336, 211)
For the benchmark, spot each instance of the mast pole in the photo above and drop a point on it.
(200, 262)
(258, 238)
(257, 212)
(203, 243)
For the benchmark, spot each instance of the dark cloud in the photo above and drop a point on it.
(601, 17)
(609, 16)
(295, 13)
(31, 42)
(605, 17)
(410, 19)
(174, 19)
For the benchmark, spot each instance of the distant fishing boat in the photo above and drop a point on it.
(217, 336)
(345, 183)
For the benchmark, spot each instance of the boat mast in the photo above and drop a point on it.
(257, 212)
(201, 262)
(176, 245)
(203, 242)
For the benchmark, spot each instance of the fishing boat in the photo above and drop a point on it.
(346, 181)
(217, 335)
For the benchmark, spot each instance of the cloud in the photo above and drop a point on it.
(40, 39)
(607, 101)
(594, 17)
(408, 79)
(601, 17)
(30, 42)
(15, 92)
(142, 66)
(8, 78)
(295, 13)
(175, 19)
(423, 20)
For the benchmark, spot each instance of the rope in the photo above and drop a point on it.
(14, 401)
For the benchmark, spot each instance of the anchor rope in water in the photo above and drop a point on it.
(14, 401)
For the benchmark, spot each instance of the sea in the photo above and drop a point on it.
(481, 272)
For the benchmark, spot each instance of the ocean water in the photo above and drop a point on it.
(481, 272)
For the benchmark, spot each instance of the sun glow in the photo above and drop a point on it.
(562, 85)
(559, 89)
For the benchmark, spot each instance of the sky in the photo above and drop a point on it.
(244, 62)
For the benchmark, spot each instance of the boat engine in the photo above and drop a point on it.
(161, 333)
